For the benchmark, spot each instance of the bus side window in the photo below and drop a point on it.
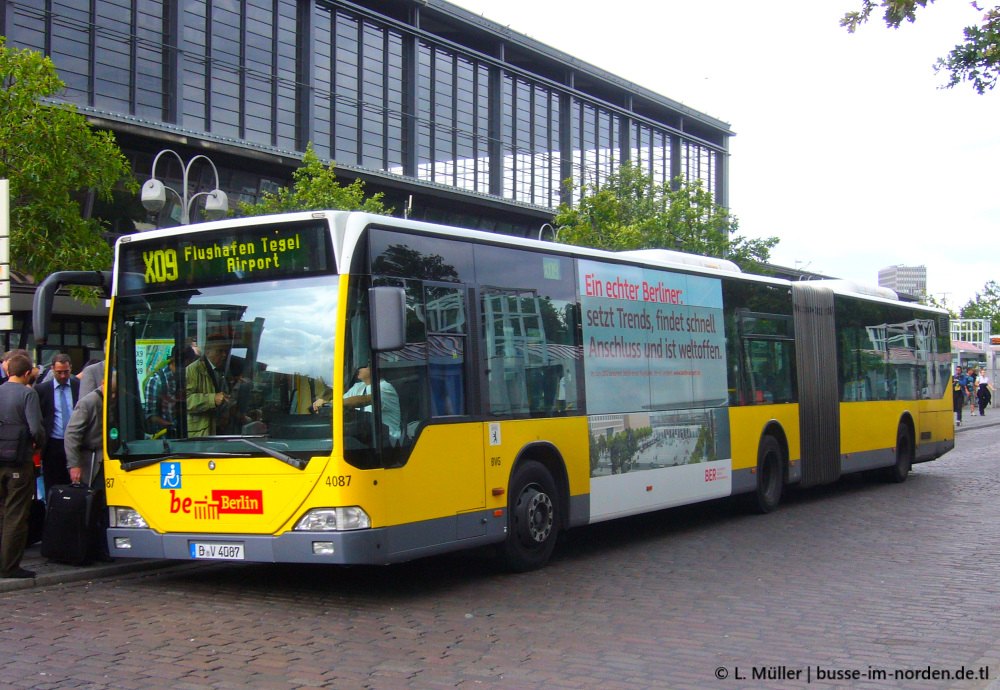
(510, 333)
(529, 329)
(447, 328)
(770, 370)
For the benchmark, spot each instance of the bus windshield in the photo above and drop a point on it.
(196, 368)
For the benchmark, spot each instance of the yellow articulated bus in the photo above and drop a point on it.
(348, 388)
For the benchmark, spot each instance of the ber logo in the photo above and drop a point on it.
(224, 502)
(714, 474)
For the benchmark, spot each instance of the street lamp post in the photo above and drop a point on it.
(154, 192)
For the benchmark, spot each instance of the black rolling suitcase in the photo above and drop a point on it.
(71, 522)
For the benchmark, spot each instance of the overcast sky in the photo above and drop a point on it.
(845, 147)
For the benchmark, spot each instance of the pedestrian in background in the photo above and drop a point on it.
(161, 405)
(19, 407)
(90, 362)
(57, 397)
(91, 377)
(960, 389)
(984, 392)
(973, 387)
(6, 357)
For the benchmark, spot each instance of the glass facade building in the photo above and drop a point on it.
(454, 117)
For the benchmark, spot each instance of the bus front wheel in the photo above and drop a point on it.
(770, 476)
(532, 518)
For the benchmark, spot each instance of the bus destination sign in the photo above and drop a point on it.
(223, 257)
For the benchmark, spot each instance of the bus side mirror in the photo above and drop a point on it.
(387, 306)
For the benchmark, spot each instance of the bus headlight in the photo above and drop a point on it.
(120, 516)
(334, 520)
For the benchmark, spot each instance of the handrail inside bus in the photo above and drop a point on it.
(41, 310)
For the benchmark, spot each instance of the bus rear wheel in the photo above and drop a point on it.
(898, 473)
(532, 518)
(770, 476)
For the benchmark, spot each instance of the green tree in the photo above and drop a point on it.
(618, 451)
(50, 155)
(315, 188)
(985, 305)
(630, 211)
(975, 60)
(704, 448)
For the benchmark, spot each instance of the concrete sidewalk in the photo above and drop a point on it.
(48, 573)
(974, 421)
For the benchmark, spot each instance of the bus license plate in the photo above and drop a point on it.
(217, 551)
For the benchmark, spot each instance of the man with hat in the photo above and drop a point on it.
(207, 389)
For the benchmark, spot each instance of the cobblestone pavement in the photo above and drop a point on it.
(859, 578)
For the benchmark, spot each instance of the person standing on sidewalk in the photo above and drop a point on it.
(18, 406)
(960, 389)
(973, 387)
(984, 393)
(84, 442)
(6, 358)
(57, 397)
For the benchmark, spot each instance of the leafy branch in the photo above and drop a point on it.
(976, 60)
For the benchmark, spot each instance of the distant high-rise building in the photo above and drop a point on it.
(909, 279)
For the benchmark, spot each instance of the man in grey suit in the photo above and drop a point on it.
(84, 443)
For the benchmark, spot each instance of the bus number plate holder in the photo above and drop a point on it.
(218, 551)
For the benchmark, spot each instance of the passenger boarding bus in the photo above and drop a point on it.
(337, 387)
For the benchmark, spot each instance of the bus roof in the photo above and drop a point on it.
(348, 226)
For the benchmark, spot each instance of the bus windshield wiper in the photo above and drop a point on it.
(298, 464)
(130, 465)
(276, 454)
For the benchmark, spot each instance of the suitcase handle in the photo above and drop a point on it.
(90, 480)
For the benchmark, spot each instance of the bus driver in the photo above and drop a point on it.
(360, 396)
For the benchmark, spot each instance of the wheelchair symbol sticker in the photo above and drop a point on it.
(170, 475)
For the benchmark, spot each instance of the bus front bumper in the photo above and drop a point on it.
(356, 547)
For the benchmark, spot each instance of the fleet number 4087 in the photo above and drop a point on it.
(161, 265)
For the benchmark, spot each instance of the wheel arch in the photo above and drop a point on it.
(546, 454)
(774, 429)
(906, 419)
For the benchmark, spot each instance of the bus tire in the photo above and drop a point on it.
(898, 473)
(532, 518)
(770, 476)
